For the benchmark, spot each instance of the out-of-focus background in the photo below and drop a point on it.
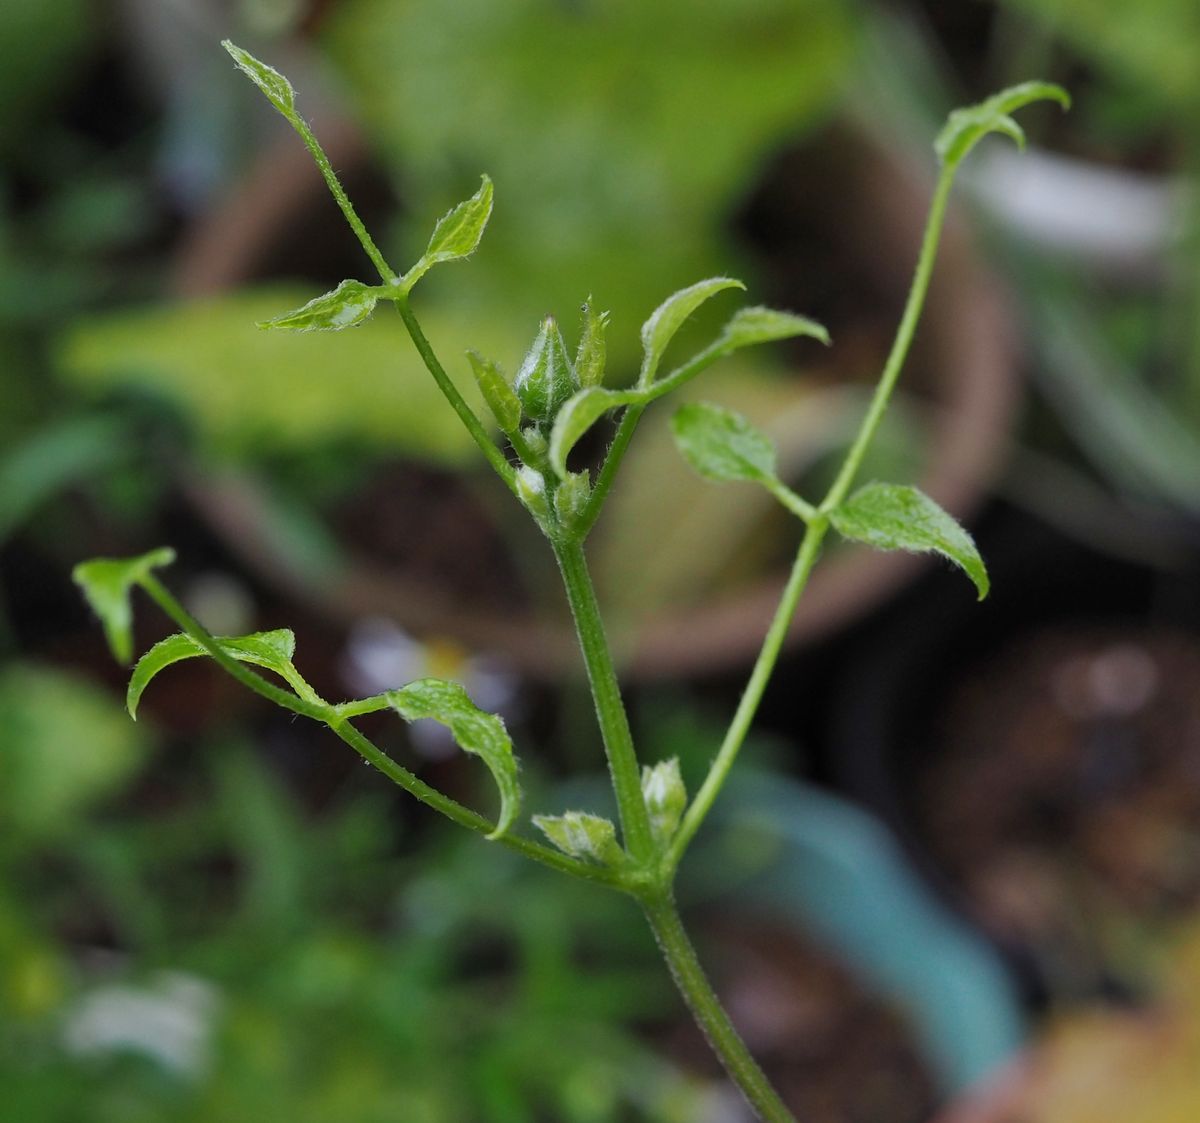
(959, 874)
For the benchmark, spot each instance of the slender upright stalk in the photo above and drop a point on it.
(710, 1015)
(610, 708)
(806, 557)
(450, 392)
(901, 343)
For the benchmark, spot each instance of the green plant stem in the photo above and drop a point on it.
(336, 719)
(806, 557)
(385, 271)
(608, 470)
(710, 1015)
(629, 422)
(606, 693)
(474, 426)
(900, 345)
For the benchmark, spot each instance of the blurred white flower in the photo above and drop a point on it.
(381, 656)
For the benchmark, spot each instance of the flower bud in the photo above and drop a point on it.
(546, 378)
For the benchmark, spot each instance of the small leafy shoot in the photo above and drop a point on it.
(475, 731)
(579, 414)
(665, 798)
(347, 305)
(582, 835)
(277, 88)
(965, 127)
(895, 517)
(750, 326)
(456, 235)
(272, 650)
(106, 583)
(668, 318)
(721, 444)
(499, 395)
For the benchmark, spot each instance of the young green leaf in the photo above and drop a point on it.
(894, 517)
(504, 404)
(579, 414)
(272, 650)
(546, 378)
(476, 732)
(721, 444)
(106, 583)
(668, 318)
(582, 836)
(571, 498)
(965, 127)
(750, 326)
(349, 304)
(590, 358)
(531, 490)
(277, 88)
(455, 236)
(665, 798)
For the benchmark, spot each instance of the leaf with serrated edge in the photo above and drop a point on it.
(277, 88)
(721, 444)
(475, 731)
(582, 835)
(665, 798)
(965, 127)
(456, 234)
(750, 326)
(349, 304)
(272, 650)
(895, 517)
(579, 413)
(668, 318)
(106, 583)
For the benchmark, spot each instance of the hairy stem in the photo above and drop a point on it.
(806, 557)
(710, 1015)
(336, 719)
(385, 271)
(900, 345)
(610, 708)
(474, 426)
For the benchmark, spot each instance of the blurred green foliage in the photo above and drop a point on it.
(275, 965)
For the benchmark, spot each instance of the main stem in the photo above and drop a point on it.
(710, 1015)
(606, 692)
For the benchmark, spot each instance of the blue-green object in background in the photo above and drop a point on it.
(833, 870)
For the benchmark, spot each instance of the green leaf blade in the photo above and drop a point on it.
(965, 127)
(668, 318)
(476, 732)
(272, 650)
(894, 517)
(757, 324)
(578, 414)
(349, 304)
(274, 85)
(456, 235)
(106, 584)
(722, 445)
